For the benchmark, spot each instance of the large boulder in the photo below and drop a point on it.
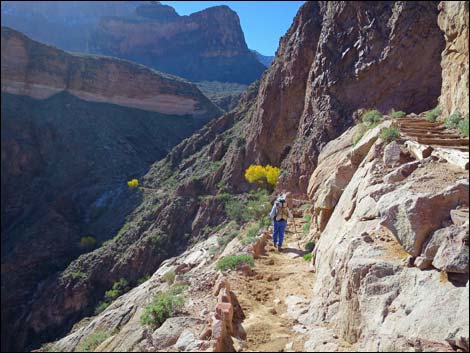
(411, 217)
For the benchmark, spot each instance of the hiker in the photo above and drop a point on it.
(279, 214)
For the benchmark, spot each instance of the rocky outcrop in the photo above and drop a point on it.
(453, 21)
(39, 71)
(208, 45)
(366, 287)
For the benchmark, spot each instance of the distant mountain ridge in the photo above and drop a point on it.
(266, 60)
(208, 45)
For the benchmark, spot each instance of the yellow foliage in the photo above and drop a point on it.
(260, 174)
(272, 174)
(133, 183)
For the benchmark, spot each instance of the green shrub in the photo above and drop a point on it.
(101, 307)
(232, 261)
(390, 134)
(453, 120)
(397, 115)
(360, 133)
(78, 275)
(235, 210)
(371, 118)
(119, 288)
(306, 226)
(251, 234)
(308, 217)
(169, 277)
(88, 241)
(308, 257)
(305, 206)
(463, 126)
(310, 246)
(92, 341)
(143, 279)
(164, 305)
(432, 115)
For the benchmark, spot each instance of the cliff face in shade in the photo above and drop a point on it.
(335, 59)
(453, 20)
(67, 24)
(72, 136)
(206, 46)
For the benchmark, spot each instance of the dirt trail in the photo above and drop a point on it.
(263, 296)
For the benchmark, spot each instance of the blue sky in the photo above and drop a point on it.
(263, 22)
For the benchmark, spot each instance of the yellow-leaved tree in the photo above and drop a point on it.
(133, 183)
(265, 176)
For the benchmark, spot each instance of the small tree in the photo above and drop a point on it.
(264, 176)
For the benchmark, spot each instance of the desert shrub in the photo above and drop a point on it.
(78, 275)
(119, 288)
(453, 120)
(265, 176)
(306, 226)
(133, 183)
(397, 115)
(432, 115)
(390, 134)
(235, 210)
(93, 341)
(310, 246)
(371, 118)
(308, 257)
(251, 234)
(305, 206)
(463, 126)
(143, 279)
(232, 261)
(164, 305)
(101, 307)
(169, 277)
(88, 241)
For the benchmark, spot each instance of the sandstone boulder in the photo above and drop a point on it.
(452, 254)
(392, 153)
(411, 217)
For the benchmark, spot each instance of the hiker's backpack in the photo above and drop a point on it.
(281, 213)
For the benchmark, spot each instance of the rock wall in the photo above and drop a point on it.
(338, 57)
(40, 71)
(453, 21)
(378, 218)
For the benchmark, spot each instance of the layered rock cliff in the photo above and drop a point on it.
(208, 45)
(75, 129)
(453, 21)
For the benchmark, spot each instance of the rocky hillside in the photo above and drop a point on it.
(337, 59)
(75, 129)
(208, 45)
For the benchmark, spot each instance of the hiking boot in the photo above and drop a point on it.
(279, 248)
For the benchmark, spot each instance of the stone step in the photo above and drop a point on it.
(431, 135)
(425, 129)
(443, 142)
